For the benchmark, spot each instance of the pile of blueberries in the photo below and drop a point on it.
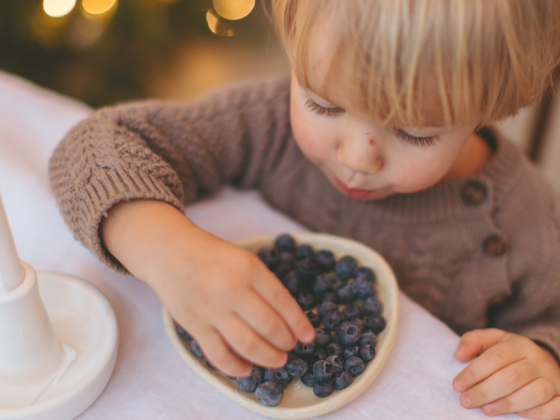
(344, 340)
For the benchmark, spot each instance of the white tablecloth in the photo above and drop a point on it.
(150, 380)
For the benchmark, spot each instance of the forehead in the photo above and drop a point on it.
(337, 66)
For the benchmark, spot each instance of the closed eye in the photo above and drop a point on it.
(417, 141)
(321, 110)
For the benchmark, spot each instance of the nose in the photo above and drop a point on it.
(360, 152)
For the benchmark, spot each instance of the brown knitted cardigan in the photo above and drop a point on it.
(476, 251)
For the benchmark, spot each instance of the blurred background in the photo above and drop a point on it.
(107, 51)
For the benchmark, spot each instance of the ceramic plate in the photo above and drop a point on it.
(299, 402)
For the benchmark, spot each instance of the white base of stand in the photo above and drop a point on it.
(82, 318)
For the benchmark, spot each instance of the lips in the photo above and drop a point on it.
(354, 193)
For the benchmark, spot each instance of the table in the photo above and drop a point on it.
(150, 379)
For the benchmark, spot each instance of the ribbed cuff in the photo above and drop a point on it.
(108, 189)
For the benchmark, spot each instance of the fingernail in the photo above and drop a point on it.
(461, 348)
(523, 413)
(490, 408)
(458, 385)
(466, 402)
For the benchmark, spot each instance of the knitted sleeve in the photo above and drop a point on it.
(173, 152)
(530, 217)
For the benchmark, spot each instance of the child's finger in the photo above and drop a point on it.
(218, 352)
(476, 342)
(265, 321)
(500, 384)
(250, 345)
(534, 394)
(549, 410)
(489, 362)
(274, 292)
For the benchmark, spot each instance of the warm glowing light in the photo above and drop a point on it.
(233, 9)
(218, 25)
(97, 7)
(58, 8)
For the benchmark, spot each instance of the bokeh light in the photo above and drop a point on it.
(218, 25)
(97, 7)
(58, 8)
(233, 9)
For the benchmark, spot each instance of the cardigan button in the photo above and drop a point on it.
(473, 193)
(494, 246)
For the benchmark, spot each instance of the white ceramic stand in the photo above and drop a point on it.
(58, 340)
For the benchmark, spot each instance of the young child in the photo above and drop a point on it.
(383, 136)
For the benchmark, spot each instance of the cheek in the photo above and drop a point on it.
(310, 138)
(416, 176)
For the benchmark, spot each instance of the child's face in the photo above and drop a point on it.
(363, 160)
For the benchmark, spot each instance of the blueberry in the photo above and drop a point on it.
(332, 319)
(270, 393)
(359, 323)
(322, 284)
(196, 349)
(376, 323)
(367, 337)
(323, 390)
(367, 352)
(342, 380)
(292, 282)
(308, 268)
(185, 336)
(282, 376)
(335, 349)
(284, 265)
(308, 380)
(306, 300)
(337, 284)
(337, 363)
(347, 334)
(286, 243)
(314, 319)
(251, 382)
(320, 354)
(363, 288)
(346, 294)
(325, 307)
(322, 370)
(345, 267)
(303, 251)
(269, 256)
(372, 306)
(329, 297)
(304, 349)
(326, 260)
(352, 311)
(355, 365)
(322, 338)
(351, 351)
(297, 367)
(365, 273)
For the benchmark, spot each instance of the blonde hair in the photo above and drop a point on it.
(428, 62)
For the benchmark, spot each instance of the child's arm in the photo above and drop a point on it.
(511, 374)
(225, 296)
(133, 166)
(516, 360)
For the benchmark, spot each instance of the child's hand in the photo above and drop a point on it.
(233, 305)
(511, 374)
(223, 295)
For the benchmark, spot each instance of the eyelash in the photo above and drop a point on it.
(321, 110)
(333, 112)
(417, 141)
